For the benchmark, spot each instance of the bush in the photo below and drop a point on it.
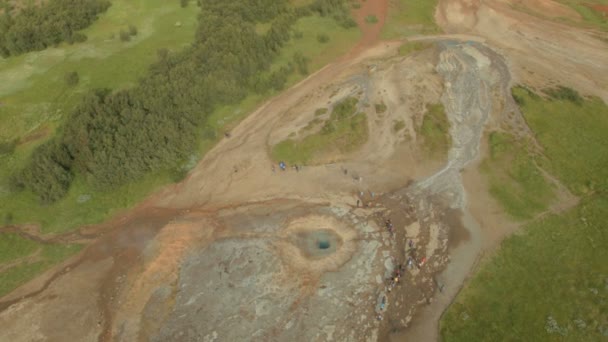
(124, 36)
(132, 30)
(565, 93)
(35, 28)
(183, 3)
(298, 34)
(371, 19)
(71, 78)
(380, 108)
(320, 111)
(322, 38)
(7, 147)
(301, 62)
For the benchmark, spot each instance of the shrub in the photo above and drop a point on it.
(124, 36)
(322, 38)
(380, 108)
(132, 30)
(7, 147)
(371, 19)
(399, 125)
(71, 78)
(564, 93)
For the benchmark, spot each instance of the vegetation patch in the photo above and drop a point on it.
(413, 46)
(380, 107)
(371, 19)
(573, 136)
(50, 255)
(320, 111)
(588, 9)
(435, 131)
(550, 282)
(515, 180)
(37, 27)
(398, 125)
(410, 17)
(343, 132)
(13, 246)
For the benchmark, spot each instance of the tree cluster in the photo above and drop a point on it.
(114, 138)
(35, 28)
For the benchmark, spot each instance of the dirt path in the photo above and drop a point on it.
(540, 52)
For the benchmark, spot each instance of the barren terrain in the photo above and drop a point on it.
(241, 251)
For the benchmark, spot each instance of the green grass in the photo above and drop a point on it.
(343, 132)
(574, 139)
(435, 131)
(380, 108)
(411, 47)
(14, 247)
(590, 18)
(514, 179)
(371, 19)
(398, 125)
(549, 283)
(50, 256)
(551, 270)
(410, 17)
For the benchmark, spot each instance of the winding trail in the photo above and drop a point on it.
(473, 74)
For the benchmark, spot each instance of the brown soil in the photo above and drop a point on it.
(371, 32)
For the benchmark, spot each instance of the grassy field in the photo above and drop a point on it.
(549, 283)
(573, 137)
(49, 255)
(410, 17)
(435, 131)
(14, 247)
(344, 131)
(590, 17)
(86, 205)
(514, 179)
